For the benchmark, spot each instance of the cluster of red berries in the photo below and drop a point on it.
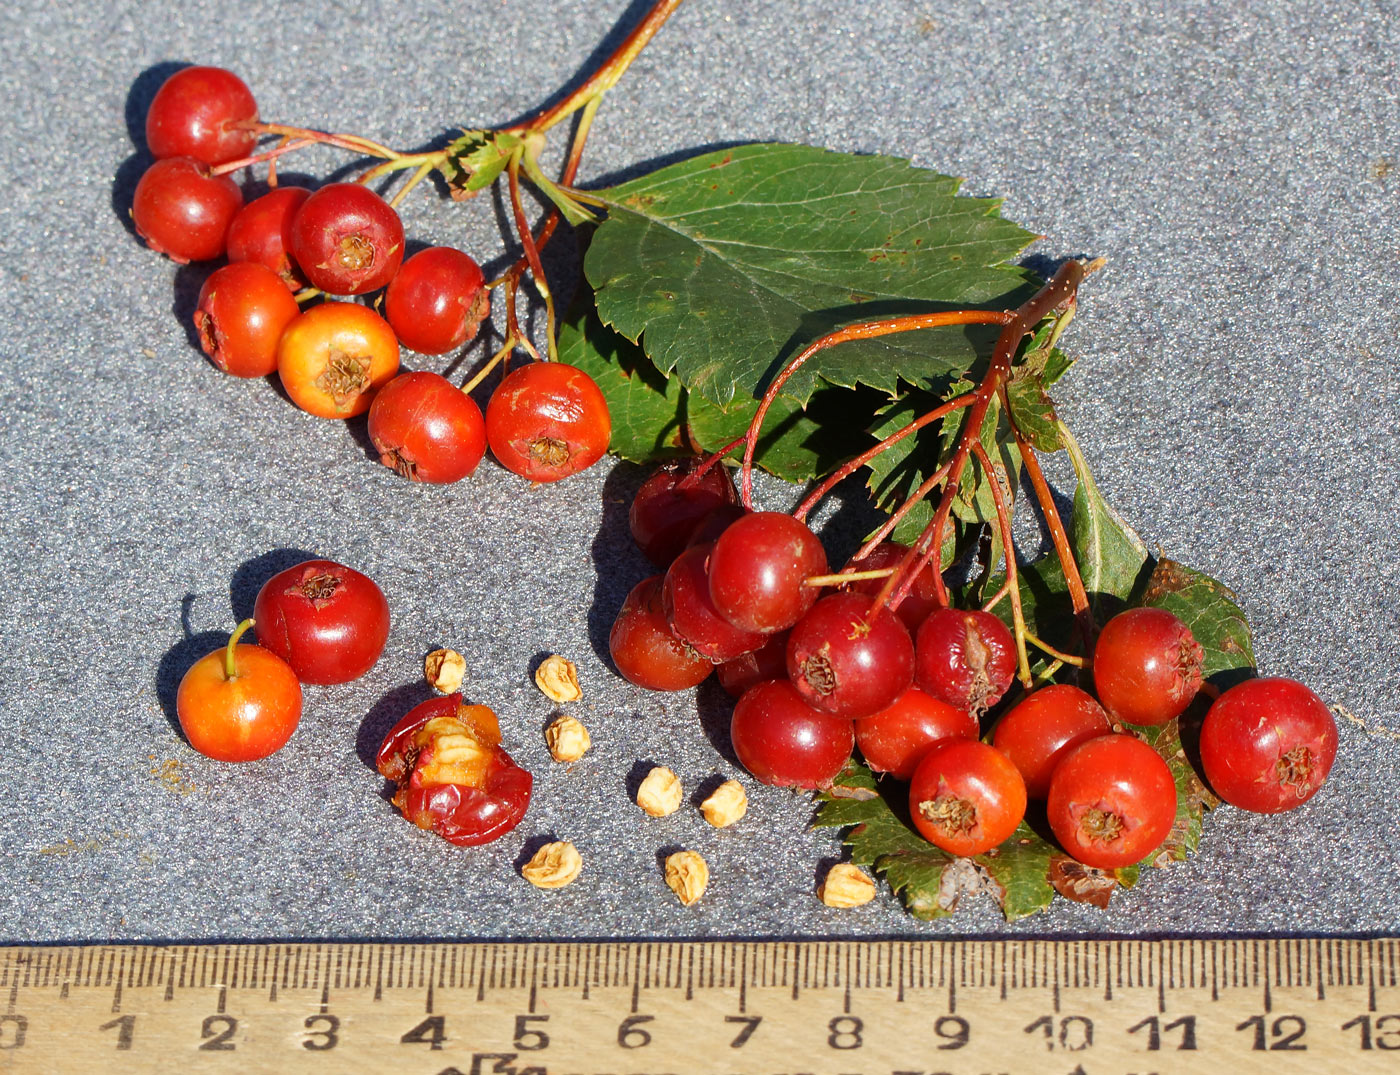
(339, 358)
(817, 677)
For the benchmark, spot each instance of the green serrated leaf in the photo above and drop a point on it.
(1020, 868)
(476, 159)
(1112, 559)
(724, 265)
(645, 406)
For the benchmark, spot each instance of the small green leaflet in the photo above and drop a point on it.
(724, 265)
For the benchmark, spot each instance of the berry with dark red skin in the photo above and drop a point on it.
(547, 420)
(782, 740)
(437, 300)
(1267, 745)
(685, 597)
(708, 530)
(242, 310)
(966, 797)
(326, 620)
(451, 775)
(1147, 666)
(646, 651)
(966, 658)
(895, 739)
(1112, 801)
(182, 211)
(767, 662)
(759, 568)
(671, 503)
(196, 113)
(427, 429)
(1045, 727)
(347, 240)
(846, 658)
(922, 597)
(262, 232)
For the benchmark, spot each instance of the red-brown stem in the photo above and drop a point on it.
(1078, 597)
(257, 158)
(1018, 620)
(708, 462)
(607, 75)
(864, 330)
(1060, 288)
(904, 509)
(851, 466)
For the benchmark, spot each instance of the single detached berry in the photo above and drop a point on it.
(326, 620)
(1046, 726)
(1267, 745)
(1112, 801)
(1147, 666)
(243, 309)
(200, 112)
(966, 797)
(450, 774)
(437, 300)
(262, 232)
(759, 570)
(347, 239)
(547, 420)
(965, 658)
(182, 211)
(645, 649)
(847, 658)
(239, 703)
(427, 429)
(782, 740)
(671, 503)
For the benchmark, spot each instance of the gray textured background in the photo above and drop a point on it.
(1237, 392)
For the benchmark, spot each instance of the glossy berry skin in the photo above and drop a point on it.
(451, 775)
(645, 650)
(670, 504)
(708, 530)
(1045, 727)
(347, 239)
(685, 597)
(767, 662)
(965, 658)
(244, 718)
(1267, 745)
(922, 597)
(262, 232)
(180, 210)
(195, 114)
(782, 740)
(845, 658)
(242, 310)
(547, 420)
(326, 620)
(966, 797)
(427, 429)
(334, 357)
(758, 571)
(895, 739)
(437, 300)
(1147, 666)
(1112, 801)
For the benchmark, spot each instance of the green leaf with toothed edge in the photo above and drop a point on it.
(725, 265)
(654, 416)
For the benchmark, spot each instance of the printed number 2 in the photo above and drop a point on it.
(1286, 1029)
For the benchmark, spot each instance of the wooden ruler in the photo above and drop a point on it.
(976, 1007)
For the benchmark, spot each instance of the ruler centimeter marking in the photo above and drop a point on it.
(964, 1007)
